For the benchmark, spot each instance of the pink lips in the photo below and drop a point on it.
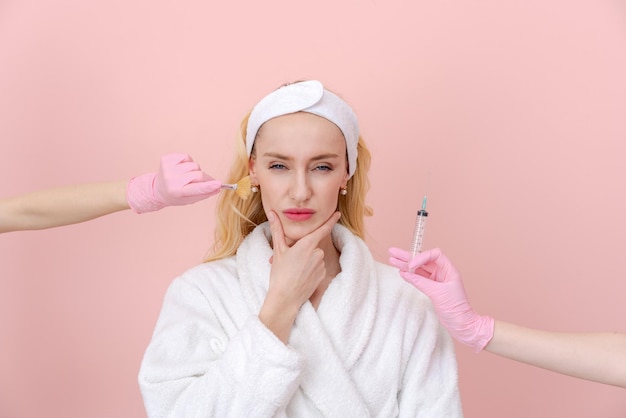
(298, 214)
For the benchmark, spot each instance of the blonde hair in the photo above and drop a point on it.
(236, 218)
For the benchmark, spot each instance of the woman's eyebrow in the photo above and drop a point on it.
(276, 155)
(287, 158)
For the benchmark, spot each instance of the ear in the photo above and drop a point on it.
(344, 183)
(252, 170)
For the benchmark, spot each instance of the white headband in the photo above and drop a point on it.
(311, 97)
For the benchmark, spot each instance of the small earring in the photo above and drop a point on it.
(254, 189)
(344, 191)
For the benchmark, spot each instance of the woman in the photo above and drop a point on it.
(179, 181)
(293, 317)
(595, 356)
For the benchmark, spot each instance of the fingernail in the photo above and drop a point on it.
(270, 216)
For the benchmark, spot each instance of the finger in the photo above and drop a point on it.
(399, 254)
(182, 178)
(278, 236)
(401, 264)
(424, 271)
(313, 239)
(201, 176)
(174, 158)
(196, 176)
(422, 283)
(187, 167)
(425, 257)
(204, 188)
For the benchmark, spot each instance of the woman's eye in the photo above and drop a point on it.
(277, 166)
(324, 167)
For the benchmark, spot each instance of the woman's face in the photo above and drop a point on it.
(300, 166)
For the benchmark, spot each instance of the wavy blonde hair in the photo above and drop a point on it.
(236, 217)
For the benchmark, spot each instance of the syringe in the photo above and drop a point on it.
(418, 233)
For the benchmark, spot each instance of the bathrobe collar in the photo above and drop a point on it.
(332, 338)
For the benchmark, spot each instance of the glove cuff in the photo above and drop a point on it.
(484, 333)
(140, 194)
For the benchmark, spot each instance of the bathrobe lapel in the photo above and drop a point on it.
(332, 338)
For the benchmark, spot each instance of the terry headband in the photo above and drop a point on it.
(311, 97)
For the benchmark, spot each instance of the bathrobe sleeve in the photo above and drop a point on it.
(201, 364)
(430, 381)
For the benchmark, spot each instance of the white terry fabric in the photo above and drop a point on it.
(373, 348)
(311, 97)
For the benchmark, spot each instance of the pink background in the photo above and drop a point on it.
(510, 115)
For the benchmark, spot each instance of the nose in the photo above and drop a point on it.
(300, 189)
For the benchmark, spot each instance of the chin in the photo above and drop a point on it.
(292, 236)
(295, 231)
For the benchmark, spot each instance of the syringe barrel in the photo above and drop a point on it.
(418, 233)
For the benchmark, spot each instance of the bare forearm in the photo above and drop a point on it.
(62, 206)
(600, 357)
(278, 319)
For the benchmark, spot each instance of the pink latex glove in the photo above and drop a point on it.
(433, 273)
(179, 181)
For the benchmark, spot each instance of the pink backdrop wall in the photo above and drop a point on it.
(514, 111)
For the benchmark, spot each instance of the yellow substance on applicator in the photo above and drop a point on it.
(243, 188)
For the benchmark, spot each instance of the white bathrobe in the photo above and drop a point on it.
(373, 348)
